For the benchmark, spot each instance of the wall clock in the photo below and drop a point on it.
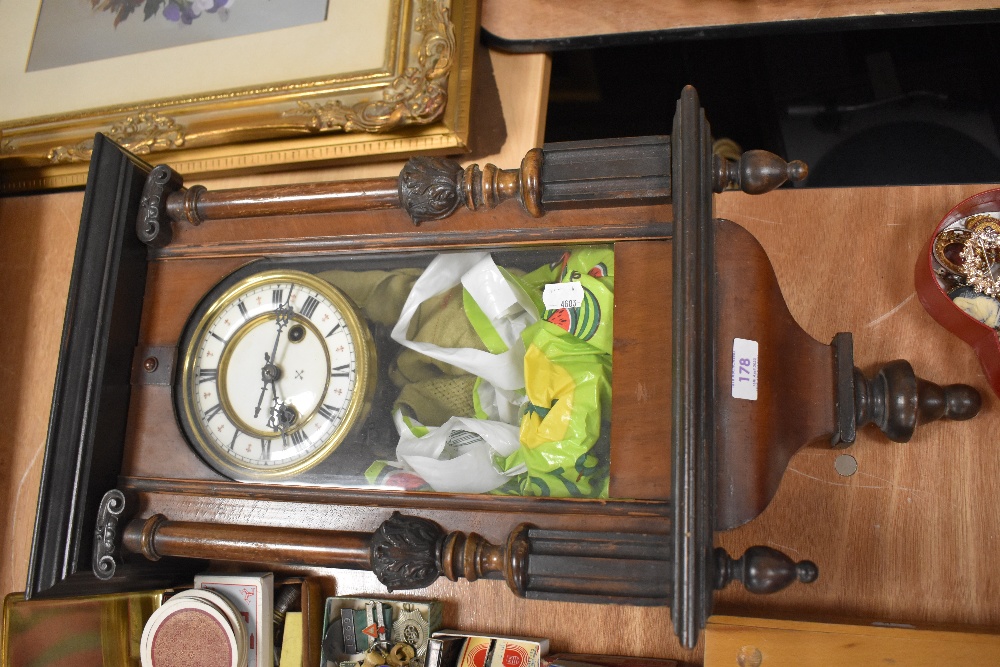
(265, 393)
(140, 326)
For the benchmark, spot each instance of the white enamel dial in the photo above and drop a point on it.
(275, 374)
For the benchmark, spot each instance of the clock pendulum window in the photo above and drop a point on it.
(232, 380)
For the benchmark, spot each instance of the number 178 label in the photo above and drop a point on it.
(745, 369)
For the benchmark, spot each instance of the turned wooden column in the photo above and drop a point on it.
(157, 537)
(574, 174)
(408, 552)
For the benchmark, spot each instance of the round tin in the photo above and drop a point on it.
(189, 633)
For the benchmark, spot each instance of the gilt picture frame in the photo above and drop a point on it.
(380, 78)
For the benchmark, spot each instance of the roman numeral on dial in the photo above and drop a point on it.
(327, 411)
(340, 371)
(212, 411)
(297, 437)
(208, 375)
(309, 307)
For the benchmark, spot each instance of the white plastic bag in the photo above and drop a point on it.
(461, 455)
(458, 456)
(509, 311)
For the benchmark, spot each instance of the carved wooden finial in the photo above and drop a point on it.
(756, 172)
(762, 570)
(432, 188)
(897, 401)
(411, 552)
(405, 552)
(429, 188)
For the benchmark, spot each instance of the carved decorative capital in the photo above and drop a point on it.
(432, 188)
(153, 224)
(428, 188)
(410, 552)
(107, 540)
(405, 552)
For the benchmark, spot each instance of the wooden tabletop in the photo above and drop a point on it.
(913, 536)
(37, 241)
(512, 22)
(732, 640)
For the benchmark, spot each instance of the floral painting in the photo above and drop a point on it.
(185, 11)
(69, 32)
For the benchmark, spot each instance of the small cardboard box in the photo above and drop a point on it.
(253, 597)
(497, 651)
(352, 625)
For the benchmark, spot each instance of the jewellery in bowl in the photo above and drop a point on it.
(981, 253)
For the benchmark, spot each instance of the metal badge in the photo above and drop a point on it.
(370, 627)
(411, 628)
(350, 642)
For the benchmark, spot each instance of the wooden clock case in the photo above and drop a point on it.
(688, 459)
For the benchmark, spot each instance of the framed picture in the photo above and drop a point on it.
(223, 86)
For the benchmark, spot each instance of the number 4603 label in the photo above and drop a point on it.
(745, 369)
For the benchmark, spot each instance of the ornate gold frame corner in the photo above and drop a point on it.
(420, 103)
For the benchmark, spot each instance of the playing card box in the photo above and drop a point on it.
(253, 597)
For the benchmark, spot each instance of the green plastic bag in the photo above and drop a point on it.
(567, 369)
(568, 385)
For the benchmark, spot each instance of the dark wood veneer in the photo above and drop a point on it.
(86, 427)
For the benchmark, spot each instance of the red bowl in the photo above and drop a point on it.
(983, 339)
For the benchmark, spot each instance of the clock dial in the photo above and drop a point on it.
(275, 373)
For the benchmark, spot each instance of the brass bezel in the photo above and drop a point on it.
(355, 412)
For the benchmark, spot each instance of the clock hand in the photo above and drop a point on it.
(283, 315)
(260, 401)
(273, 418)
(282, 416)
(270, 372)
